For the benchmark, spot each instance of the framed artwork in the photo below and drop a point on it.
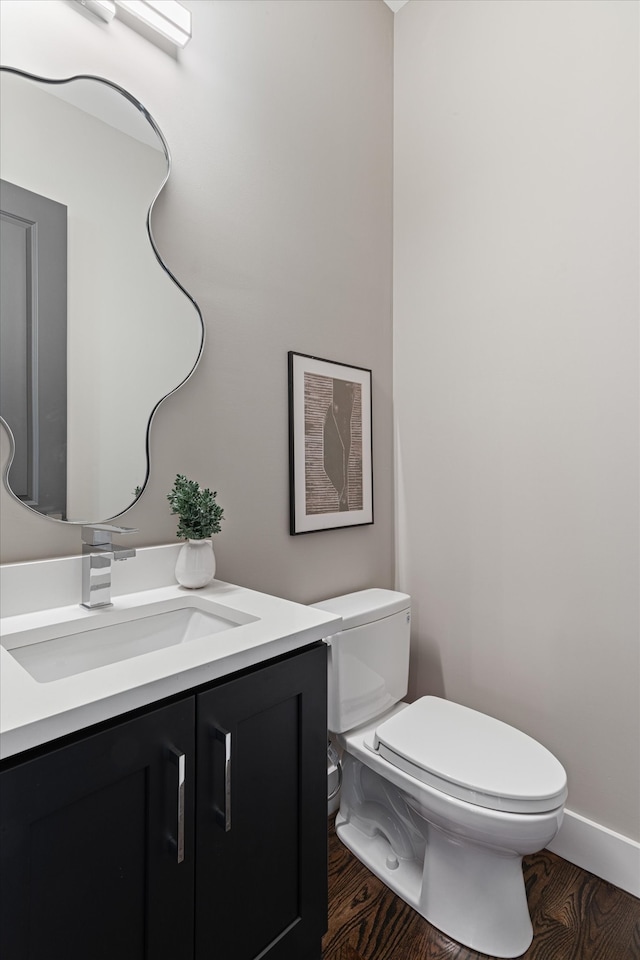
(330, 456)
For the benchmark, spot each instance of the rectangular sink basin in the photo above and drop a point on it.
(98, 645)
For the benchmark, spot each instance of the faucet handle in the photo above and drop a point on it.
(99, 534)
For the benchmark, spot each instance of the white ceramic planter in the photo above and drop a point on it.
(196, 564)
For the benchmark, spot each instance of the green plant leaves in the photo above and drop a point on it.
(200, 515)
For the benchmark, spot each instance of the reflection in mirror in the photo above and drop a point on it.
(95, 331)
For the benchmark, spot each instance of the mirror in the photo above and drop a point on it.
(95, 330)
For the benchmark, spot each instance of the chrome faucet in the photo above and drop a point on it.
(98, 552)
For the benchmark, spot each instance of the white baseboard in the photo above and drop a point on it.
(599, 850)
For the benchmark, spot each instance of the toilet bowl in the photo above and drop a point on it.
(439, 801)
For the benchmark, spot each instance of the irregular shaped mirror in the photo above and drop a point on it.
(94, 329)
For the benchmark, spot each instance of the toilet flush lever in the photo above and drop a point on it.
(223, 815)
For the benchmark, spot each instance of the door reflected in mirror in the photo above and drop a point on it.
(84, 363)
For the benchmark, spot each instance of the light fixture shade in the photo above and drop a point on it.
(105, 9)
(168, 17)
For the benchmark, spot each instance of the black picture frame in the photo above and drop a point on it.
(330, 444)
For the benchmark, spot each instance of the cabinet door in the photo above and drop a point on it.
(88, 846)
(261, 860)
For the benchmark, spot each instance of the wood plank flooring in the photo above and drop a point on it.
(576, 916)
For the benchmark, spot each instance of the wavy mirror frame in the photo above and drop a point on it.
(147, 116)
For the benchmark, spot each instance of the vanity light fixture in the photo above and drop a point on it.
(168, 17)
(105, 9)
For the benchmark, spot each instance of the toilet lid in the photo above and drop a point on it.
(473, 757)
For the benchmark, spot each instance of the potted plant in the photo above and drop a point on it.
(199, 518)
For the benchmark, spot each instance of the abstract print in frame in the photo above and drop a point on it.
(330, 455)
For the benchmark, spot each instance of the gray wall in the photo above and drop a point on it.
(516, 373)
(278, 219)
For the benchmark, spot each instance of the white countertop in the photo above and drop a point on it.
(33, 713)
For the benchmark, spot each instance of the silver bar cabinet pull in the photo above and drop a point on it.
(179, 760)
(223, 817)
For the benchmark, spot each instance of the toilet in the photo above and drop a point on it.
(441, 802)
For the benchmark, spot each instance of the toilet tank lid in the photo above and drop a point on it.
(365, 606)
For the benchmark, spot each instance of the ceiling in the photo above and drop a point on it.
(395, 4)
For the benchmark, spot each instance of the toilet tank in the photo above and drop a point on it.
(368, 660)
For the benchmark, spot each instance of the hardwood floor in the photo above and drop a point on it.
(575, 915)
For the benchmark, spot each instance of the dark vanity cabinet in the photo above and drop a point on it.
(195, 829)
(87, 866)
(261, 859)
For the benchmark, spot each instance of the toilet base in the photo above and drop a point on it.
(473, 893)
(404, 877)
(476, 895)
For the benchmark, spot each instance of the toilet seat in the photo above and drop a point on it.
(468, 755)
